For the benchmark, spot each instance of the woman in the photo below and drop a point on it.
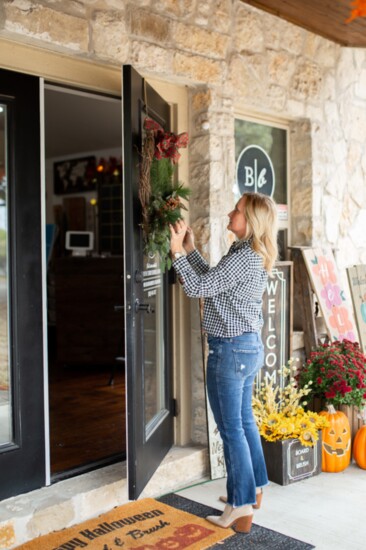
(232, 293)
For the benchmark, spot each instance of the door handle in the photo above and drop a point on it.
(118, 307)
(143, 307)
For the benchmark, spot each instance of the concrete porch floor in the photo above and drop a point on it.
(328, 510)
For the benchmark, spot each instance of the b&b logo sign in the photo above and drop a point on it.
(254, 171)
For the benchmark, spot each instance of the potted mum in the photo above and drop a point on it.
(336, 374)
(291, 435)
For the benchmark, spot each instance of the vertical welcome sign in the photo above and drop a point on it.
(277, 328)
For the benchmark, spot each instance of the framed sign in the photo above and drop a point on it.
(357, 282)
(75, 175)
(326, 283)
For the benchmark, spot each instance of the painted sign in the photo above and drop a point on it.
(357, 282)
(325, 279)
(277, 328)
(255, 172)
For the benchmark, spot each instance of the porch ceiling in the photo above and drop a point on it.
(323, 17)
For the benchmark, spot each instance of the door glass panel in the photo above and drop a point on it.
(261, 149)
(6, 435)
(154, 360)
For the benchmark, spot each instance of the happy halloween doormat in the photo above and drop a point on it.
(143, 525)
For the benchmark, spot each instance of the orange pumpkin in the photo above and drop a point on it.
(359, 447)
(336, 441)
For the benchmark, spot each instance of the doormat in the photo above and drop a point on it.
(259, 538)
(145, 524)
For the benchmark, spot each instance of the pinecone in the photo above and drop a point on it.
(171, 204)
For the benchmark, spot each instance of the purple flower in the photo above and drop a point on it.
(332, 295)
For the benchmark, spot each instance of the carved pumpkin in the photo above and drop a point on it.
(359, 447)
(336, 441)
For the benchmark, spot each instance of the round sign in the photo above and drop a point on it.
(254, 171)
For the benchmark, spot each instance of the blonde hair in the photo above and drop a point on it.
(261, 215)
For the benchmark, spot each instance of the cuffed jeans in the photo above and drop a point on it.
(232, 366)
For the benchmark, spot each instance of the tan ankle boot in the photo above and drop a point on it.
(240, 518)
(259, 494)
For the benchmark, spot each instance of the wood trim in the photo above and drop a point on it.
(60, 68)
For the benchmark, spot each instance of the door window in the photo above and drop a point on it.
(262, 166)
(6, 424)
(261, 157)
(154, 357)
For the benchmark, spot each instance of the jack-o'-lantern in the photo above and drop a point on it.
(359, 447)
(336, 441)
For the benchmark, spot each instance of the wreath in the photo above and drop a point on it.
(160, 195)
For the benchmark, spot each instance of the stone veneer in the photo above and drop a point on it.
(233, 56)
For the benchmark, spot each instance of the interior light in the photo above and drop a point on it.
(1, 109)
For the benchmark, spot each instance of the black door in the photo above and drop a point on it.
(149, 394)
(22, 447)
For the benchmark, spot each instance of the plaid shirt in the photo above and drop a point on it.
(232, 290)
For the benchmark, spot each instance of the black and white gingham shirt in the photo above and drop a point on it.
(232, 290)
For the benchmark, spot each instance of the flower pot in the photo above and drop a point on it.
(289, 461)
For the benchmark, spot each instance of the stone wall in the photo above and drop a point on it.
(233, 56)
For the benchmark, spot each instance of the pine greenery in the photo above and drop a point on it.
(164, 208)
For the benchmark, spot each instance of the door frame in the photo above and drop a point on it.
(95, 76)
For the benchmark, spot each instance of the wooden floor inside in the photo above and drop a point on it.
(87, 416)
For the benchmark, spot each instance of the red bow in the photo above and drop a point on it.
(166, 143)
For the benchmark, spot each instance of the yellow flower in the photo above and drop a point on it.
(273, 420)
(308, 438)
(278, 412)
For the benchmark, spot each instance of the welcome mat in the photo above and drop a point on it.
(145, 524)
(259, 537)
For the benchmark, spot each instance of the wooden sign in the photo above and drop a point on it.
(357, 282)
(326, 283)
(288, 461)
(277, 328)
(216, 448)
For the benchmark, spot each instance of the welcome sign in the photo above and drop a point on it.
(277, 328)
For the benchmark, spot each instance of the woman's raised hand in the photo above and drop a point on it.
(177, 234)
(188, 242)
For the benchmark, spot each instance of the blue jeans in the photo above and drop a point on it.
(232, 366)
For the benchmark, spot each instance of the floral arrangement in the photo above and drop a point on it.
(337, 372)
(278, 412)
(160, 196)
(164, 208)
